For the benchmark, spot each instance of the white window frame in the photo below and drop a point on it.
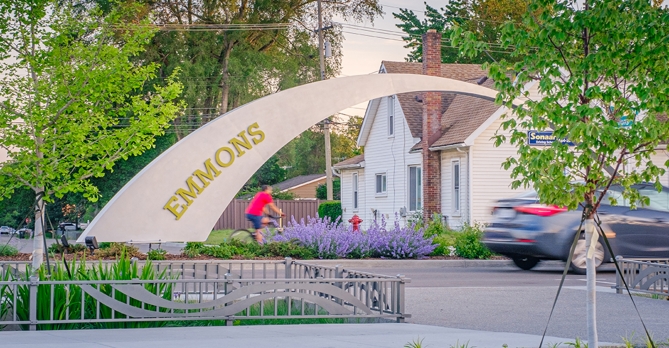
(384, 180)
(391, 116)
(419, 189)
(456, 188)
(356, 191)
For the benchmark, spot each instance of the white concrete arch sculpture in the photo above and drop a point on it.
(182, 193)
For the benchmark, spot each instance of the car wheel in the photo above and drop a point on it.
(525, 262)
(579, 259)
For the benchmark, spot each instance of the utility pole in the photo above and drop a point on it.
(326, 125)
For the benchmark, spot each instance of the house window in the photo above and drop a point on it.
(355, 191)
(415, 188)
(455, 165)
(381, 184)
(391, 116)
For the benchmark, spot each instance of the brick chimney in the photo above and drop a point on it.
(431, 126)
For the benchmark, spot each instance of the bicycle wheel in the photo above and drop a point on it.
(242, 235)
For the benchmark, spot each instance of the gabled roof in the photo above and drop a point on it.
(413, 110)
(464, 115)
(353, 162)
(460, 123)
(299, 181)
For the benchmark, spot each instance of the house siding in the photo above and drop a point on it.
(347, 195)
(307, 191)
(390, 155)
(490, 182)
(455, 220)
(383, 154)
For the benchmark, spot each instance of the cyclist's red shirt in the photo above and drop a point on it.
(258, 203)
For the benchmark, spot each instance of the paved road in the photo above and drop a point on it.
(493, 277)
(506, 299)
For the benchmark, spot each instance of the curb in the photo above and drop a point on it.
(423, 263)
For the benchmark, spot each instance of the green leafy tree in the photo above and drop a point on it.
(602, 73)
(270, 173)
(231, 52)
(71, 102)
(304, 154)
(321, 190)
(483, 18)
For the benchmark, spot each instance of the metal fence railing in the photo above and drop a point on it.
(649, 276)
(202, 290)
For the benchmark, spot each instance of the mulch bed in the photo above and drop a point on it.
(87, 256)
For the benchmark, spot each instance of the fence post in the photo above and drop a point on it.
(33, 303)
(288, 262)
(400, 299)
(338, 274)
(619, 283)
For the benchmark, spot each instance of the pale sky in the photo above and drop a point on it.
(363, 54)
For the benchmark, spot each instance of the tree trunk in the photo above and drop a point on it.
(38, 240)
(591, 238)
(224, 60)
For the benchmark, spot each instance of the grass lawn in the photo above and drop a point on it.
(218, 236)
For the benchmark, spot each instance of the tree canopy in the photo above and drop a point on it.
(232, 52)
(70, 106)
(483, 18)
(601, 71)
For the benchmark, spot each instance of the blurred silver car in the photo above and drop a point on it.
(529, 232)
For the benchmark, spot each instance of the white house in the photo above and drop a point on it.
(455, 170)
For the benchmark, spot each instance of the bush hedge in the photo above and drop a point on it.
(8, 250)
(331, 210)
(468, 243)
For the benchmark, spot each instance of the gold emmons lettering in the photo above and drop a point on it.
(220, 162)
(253, 133)
(238, 143)
(193, 191)
(211, 173)
(174, 208)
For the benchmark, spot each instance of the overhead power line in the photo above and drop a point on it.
(214, 27)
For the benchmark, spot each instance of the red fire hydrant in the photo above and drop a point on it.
(355, 220)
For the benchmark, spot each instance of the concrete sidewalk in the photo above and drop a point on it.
(276, 336)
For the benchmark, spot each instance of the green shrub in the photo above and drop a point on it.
(116, 249)
(331, 209)
(104, 245)
(8, 250)
(288, 249)
(322, 190)
(156, 254)
(468, 243)
(445, 244)
(436, 227)
(193, 249)
(72, 249)
(232, 248)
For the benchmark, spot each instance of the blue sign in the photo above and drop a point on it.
(624, 122)
(545, 138)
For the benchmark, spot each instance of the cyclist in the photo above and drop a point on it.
(258, 207)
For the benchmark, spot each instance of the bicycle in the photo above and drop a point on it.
(249, 235)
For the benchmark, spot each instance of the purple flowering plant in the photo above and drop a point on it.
(331, 239)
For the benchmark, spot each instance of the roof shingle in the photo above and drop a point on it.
(297, 181)
(351, 161)
(462, 115)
